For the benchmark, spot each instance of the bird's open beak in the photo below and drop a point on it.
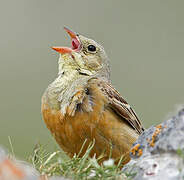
(62, 50)
(75, 43)
(71, 33)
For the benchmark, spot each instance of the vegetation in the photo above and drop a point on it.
(58, 164)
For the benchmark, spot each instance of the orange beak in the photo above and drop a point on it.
(62, 50)
(75, 43)
(72, 34)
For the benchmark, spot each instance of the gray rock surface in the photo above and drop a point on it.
(158, 154)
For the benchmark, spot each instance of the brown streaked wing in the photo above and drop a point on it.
(121, 107)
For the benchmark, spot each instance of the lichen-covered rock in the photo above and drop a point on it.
(13, 169)
(159, 152)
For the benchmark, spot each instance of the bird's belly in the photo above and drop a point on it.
(110, 135)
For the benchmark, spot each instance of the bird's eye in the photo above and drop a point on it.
(91, 48)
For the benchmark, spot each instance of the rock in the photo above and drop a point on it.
(12, 169)
(159, 152)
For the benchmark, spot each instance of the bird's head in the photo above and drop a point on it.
(85, 56)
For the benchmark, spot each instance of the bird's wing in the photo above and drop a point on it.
(120, 106)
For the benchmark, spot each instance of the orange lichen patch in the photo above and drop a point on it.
(159, 126)
(10, 169)
(136, 149)
(140, 152)
(155, 134)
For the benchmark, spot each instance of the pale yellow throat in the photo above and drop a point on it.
(65, 85)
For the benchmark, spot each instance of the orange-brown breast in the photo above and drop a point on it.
(101, 123)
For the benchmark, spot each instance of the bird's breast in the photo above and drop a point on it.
(87, 118)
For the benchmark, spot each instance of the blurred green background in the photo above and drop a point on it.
(144, 40)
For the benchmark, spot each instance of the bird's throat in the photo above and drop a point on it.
(63, 88)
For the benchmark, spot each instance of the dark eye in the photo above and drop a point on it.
(91, 48)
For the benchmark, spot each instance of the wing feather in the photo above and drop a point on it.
(121, 107)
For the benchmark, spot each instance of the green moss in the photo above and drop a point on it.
(180, 153)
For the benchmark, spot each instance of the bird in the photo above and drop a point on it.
(81, 106)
